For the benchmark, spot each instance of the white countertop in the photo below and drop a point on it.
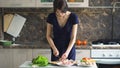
(27, 64)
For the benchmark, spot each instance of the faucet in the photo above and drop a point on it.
(114, 5)
(113, 11)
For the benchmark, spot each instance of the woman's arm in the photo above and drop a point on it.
(73, 38)
(50, 40)
(72, 41)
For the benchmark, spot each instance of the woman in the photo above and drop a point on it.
(63, 24)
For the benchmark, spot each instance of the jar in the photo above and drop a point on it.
(71, 0)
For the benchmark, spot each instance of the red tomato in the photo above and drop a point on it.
(84, 42)
(84, 58)
(78, 42)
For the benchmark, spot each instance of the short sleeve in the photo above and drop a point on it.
(75, 19)
(50, 18)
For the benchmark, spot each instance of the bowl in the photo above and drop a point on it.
(5, 42)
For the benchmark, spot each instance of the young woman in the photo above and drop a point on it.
(61, 31)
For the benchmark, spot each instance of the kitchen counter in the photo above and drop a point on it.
(36, 46)
(27, 64)
(46, 46)
(22, 45)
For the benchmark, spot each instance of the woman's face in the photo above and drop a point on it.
(59, 13)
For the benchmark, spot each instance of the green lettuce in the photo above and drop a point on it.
(40, 61)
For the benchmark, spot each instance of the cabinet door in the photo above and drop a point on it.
(71, 3)
(44, 3)
(6, 57)
(78, 3)
(17, 3)
(82, 53)
(20, 56)
(44, 52)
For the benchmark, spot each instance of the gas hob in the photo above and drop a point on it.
(106, 43)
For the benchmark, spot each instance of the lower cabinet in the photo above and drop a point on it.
(6, 58)
(20, 56)
(13, 58)
(80, 53)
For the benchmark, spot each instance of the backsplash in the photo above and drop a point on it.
(95, 22)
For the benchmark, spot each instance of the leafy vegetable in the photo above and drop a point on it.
(83, 60)
(40, 61)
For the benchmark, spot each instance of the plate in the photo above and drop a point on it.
(85, 65)
(64, 65)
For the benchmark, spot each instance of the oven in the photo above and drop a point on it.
(106, 54)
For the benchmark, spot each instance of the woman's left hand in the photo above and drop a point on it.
(64, 56)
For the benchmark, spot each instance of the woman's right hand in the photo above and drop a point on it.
(56, 52)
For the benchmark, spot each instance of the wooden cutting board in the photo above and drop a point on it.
(7, 20)
(53, 62)
(16, 25)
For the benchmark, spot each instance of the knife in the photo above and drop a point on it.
(58, 57)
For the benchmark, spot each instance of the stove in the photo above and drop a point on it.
(106, 55)
(106, 43)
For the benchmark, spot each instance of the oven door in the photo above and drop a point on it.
(108, 63)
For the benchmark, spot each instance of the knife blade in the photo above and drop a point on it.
(58, 57)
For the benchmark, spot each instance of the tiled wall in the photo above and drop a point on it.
(95, 22)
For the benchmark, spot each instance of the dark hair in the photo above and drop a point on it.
(61, 5)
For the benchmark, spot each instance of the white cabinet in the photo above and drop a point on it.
(41, 3)
(20, 56)
(17, 3)
(6, 56)
(12, 58)
(44, 52)
(71, 3)
(80, 53)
